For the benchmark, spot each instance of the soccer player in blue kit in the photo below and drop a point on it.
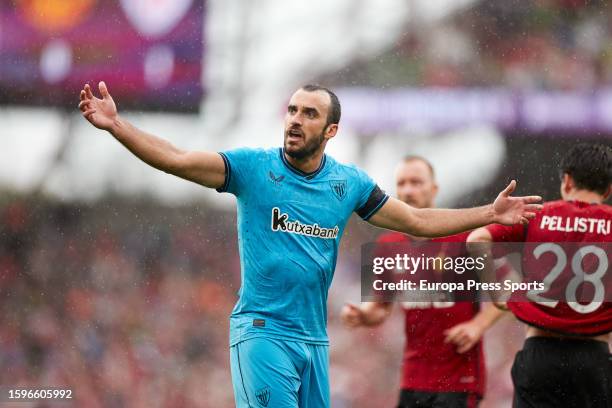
(293, 205)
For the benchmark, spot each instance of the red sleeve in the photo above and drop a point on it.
(505, 233)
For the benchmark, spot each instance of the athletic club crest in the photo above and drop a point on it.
(263, 396)
(338, 187)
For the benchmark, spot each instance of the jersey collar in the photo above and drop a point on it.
(583, 203)
(299, 172)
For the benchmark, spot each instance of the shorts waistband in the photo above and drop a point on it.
(562, 343)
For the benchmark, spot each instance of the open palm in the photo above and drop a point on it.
(513, 210)
(101, 113)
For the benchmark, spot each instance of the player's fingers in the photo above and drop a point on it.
(470, 342)
(465, 347)
(452, 334)
(508, 190)
(532, 200)
(459, 342)
(351, 321)
(532, 207)
(103, 90)
(465, 339)
(462, 337)
(82, 94)
(89, 112)
(447, 335)
(354, 309)
(84, 104)
(349, 313)
(529, 215)
(524, 221)
(88, 92)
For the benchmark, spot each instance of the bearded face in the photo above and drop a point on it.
(306, 124)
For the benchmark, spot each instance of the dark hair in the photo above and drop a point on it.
(590, 165)
(333, 115)
(410, 158)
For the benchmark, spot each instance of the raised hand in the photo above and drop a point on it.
(513, 210)
(102, 113)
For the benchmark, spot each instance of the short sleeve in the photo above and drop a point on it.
(507, 233)
(238, 163)
(371, 198)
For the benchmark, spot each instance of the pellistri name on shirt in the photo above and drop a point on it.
(576, 224)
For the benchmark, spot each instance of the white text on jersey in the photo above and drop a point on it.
(575, 224)
(280, 222)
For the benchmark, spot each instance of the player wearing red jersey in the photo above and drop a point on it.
(443, 364)
(565, 361)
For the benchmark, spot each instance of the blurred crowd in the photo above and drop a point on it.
(124, 308)
(127, 304)
(541, 44)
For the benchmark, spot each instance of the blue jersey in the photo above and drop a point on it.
(289, 229)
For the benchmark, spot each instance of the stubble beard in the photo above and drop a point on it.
(308, 150)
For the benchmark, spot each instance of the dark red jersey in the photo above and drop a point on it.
(568, 245)
(429, 364)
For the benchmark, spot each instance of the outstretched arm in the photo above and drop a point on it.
(434, 222)
(205, 168)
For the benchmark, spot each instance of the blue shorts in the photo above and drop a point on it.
(268, 372)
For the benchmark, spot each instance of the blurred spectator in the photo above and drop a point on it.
(546, 44)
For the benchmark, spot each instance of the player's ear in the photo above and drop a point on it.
(434, 191)
(331, 130)
(567, 184)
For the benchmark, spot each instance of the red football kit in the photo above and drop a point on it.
(429, 364)
(572, 262)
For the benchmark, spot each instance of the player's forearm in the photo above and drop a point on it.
(488, 316)
(434, 222)
(430, 222)
(153, 150)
